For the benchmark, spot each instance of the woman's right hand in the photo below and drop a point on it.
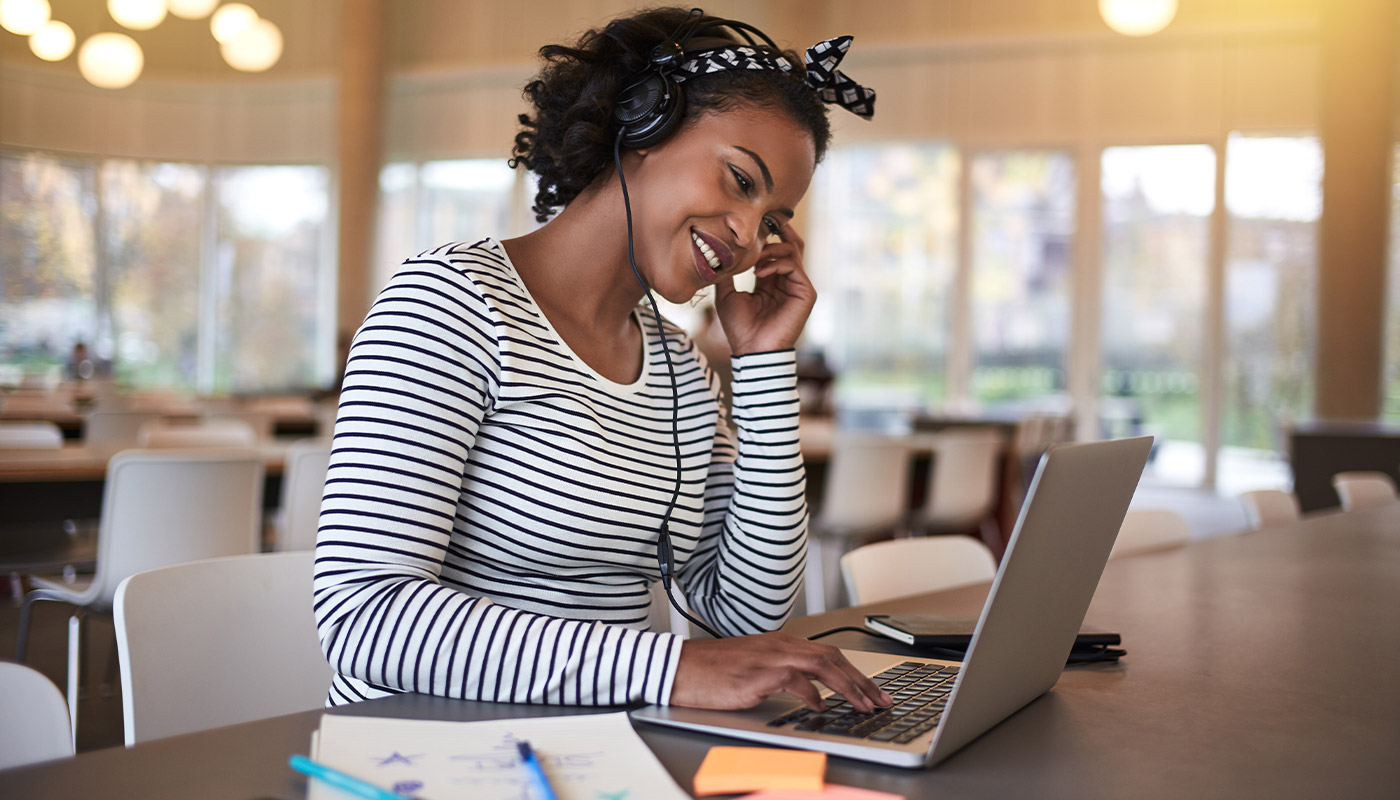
(741, 671)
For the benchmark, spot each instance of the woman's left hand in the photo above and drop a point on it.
(772, 316)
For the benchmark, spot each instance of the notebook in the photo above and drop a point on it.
(1056, 553)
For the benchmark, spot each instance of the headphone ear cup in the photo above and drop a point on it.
(649, 110)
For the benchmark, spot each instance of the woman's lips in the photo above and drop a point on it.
(720, 250)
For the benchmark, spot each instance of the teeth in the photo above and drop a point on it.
(705, 249)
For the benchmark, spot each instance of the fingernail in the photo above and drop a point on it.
(886, 699)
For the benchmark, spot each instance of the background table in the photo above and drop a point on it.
(1260, 665)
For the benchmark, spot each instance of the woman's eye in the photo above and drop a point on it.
(744, 183)
(771, 225)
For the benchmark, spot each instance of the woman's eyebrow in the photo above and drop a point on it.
(762, 167)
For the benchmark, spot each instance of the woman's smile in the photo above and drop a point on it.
(711, 255)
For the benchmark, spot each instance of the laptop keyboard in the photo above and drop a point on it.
(920, 693)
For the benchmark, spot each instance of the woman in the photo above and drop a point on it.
(511, 425)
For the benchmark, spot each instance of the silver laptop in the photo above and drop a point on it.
(1053, 561)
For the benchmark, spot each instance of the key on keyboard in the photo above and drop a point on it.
(920, 693)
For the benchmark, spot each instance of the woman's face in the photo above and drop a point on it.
(706, 200)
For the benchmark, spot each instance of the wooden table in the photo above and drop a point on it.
(1261, 665)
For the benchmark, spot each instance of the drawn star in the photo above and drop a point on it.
(399, 758)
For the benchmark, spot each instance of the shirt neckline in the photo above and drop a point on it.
(563, 345)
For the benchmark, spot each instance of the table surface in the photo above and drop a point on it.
(78, 462)
(1262, 665)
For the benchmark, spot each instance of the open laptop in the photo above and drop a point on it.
(1042, 589)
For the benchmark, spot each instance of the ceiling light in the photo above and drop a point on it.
(24, 17)
(1137, 17)
(254, 48)
(110, 60)
(138, 15)
(192, 9)
(230, 19)
(53, 42)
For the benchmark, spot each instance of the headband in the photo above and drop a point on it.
(832, 85)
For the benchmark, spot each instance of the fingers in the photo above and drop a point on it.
(832, 668)
(797, 684)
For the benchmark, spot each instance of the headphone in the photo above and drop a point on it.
(652, 106)
(648, 110)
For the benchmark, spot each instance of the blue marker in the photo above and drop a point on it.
(340, 780)
(535, 771)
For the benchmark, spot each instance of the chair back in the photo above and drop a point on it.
(1266, 507)
(903, 567)
(261, 423)
(30, 436)
(1363, 488)
(303, 483)
(867, 482)
(962, 484)
(1149, 529)
(218, 642)
(115, 429)
(33, 718)
(163, 507)
(162, 434)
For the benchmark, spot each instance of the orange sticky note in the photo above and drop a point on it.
(830, 792)
(729, 770)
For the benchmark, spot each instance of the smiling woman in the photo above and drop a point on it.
(523, 450)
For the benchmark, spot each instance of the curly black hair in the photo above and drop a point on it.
(568, 142)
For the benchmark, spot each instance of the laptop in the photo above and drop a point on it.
(1076, 503)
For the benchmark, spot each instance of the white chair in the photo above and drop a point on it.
(962, 485)
(218, 642)
(33, 718)
(903, 567)
(1266, 507)
(1363, 488)
(261, 423)
(303, 483)
(158, 508)
(30, 436)
(865, 492)
(1148, 529)
(115, 429)
(165, 434)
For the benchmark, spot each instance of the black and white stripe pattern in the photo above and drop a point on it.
(490, 516)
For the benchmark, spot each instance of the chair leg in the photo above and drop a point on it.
(815, 580)
(26, 611)
(76, 633)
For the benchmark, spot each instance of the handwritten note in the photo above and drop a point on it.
(587, 757)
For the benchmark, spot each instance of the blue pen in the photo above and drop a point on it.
(340, 780)
(536, 772)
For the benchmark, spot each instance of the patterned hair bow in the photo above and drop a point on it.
(833, 85)
(830, 84)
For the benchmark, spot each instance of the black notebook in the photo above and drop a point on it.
(952, 635)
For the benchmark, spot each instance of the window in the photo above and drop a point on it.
(48, 287)
(1157, 203)
(885, 221)
(1273, 192)
(267, 279)
(1022, 226)
(153, 221)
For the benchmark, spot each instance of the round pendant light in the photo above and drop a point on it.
(1137, 17)
(53, 42)
(110, 60)
(24, 17)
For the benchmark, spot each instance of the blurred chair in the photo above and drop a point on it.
(1363, 488)
(165, 434)
(30, 436)
(218, 642)
(1034, 435)
(865, 492)
(1267, 507)
(1144, 530)
(260, 423)
(33, 718)
(903, 567)
(115, 429)
(303, 483)
(158, 508)
(962, 485)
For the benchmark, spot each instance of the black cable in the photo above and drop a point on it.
(842, 629)
(665, 556)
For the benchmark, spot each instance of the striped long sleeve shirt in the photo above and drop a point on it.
(491, 512)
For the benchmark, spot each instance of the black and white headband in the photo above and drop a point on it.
(832, 85)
